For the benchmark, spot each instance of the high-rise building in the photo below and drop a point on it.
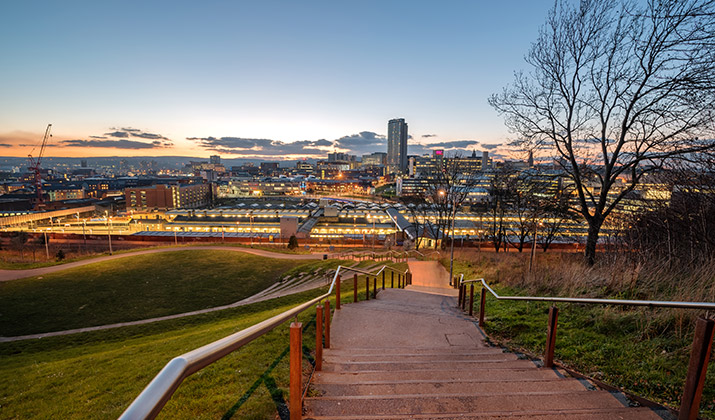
(397, 145)
(215, 159)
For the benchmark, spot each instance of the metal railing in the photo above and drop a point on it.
(700, 349)
(153, 398)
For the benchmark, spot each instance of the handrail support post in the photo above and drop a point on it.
(482, 307)
(551, 337)
(319, 338)
(296, 371)
(697, 369)
(337, 293)
(326, 312)
(471, 299)
(355, 288)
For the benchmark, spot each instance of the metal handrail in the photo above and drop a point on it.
(624, 302)
(153, 398)
(357, 270)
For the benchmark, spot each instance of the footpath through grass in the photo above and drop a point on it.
(137, 287)
(96, 375)
(644, 351)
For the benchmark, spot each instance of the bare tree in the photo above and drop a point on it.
(448, 190)
(616, 90)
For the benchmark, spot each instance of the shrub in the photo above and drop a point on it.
(292, 242)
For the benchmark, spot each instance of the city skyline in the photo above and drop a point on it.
(265, 80)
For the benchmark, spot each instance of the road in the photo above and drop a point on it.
(7, 275)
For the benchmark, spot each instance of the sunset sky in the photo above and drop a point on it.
(267, 79)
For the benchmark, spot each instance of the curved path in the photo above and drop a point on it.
(6, 275)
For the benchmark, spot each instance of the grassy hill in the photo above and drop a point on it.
(134, 288)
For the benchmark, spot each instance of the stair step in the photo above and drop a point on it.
(379, 354)
(425, 404)
(485, 375)
(503, 361)
(639, 413)
(448, 387)
(420, 358)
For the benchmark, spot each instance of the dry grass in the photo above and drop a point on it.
(614, 276)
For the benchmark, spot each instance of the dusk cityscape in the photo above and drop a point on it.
(180, 180)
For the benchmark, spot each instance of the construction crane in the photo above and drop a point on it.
(35, 167)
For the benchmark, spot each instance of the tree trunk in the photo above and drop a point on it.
(594, 227)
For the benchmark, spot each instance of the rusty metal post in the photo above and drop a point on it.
(459, 297)
(319, 337)
(551, 337)
(698, 367)
(409, 279)
(355, 287)
(367, 287)
(464, 297)
(337, 293)
(383, 280)
(482, 307)
(392, 279)
(295, 404)
(326, 312)
(471, 299)
(374, 287)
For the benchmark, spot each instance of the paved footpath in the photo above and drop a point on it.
(411, 353)
(6, 275)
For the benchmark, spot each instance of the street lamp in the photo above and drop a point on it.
(108, 220)
(47, 248)
(533, 245)
(451, 250)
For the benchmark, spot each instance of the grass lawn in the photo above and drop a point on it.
(97, 375)
(137, 287)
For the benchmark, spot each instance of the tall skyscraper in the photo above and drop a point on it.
(397, 145)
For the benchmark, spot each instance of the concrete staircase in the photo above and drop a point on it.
(413, 355)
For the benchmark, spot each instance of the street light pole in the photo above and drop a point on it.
(451, 250)
(110, 236)
(533, 248)
(47, 247)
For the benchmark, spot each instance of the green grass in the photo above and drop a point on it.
(25, 265)
(98, 374)
(136, 287)
(643, 351)
(606, 343)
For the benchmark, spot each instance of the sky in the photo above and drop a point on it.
(258, 79)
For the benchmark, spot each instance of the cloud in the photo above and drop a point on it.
(428, 135)
(119, 134)
(262, 147)
(454, 144)
(118, 138)
(114, 144)
(365, 142)
(126, 132)
(491, 146)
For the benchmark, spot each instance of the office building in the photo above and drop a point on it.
(397, 145)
